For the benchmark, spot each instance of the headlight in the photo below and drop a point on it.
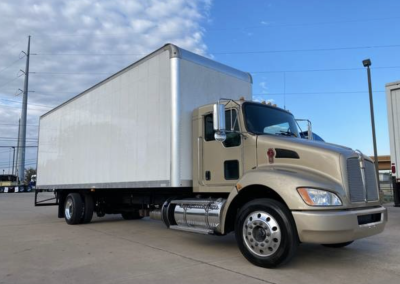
(318, 197)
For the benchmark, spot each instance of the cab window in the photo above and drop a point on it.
(233, 138)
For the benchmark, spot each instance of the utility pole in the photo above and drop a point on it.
(367, 63)
(12, 171)
(16, 160)
(22, 133)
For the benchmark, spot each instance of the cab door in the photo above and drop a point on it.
(222, 161)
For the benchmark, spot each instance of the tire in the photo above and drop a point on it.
(134, 215)
(88, 209)
(266, 233)
(73, 208)
(339, 245)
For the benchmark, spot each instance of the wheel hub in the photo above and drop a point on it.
(261, 233)
(69, 209)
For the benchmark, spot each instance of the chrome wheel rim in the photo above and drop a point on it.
(261, 234)
(69, 209)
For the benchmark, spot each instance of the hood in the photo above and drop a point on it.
(323, 158)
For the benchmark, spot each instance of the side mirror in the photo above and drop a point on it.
(219, 122)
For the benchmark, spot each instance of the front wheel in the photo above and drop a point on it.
(265, 233)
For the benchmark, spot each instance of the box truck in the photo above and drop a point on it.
(176, 137)
(393, 108)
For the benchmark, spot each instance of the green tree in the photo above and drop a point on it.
(28, 174)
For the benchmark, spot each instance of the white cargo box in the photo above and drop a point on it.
(393, 107)
(134, 128)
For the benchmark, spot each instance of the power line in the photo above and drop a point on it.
(317, 93)
(12, 80)
(29, 104)
(305, 50)
(70, 73)
(16, 138)
(16, 124)
(321, 70)
(262, 26)
(266, 25)
(8, 106)
(29, 146)
(252, 72)
(11, 64)
(232, 52)
(2, 164)
(88, 54)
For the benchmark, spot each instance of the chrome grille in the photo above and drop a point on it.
(371, 182)
(356, 185)
(358, 191)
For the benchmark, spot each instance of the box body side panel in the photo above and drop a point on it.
(118, 133)
(393, 107)
(201, 85)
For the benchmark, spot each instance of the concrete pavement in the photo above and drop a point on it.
(37, 247)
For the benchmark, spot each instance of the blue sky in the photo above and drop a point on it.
(289, 46)
(338, 116)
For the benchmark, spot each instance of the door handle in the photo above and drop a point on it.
(208, 175)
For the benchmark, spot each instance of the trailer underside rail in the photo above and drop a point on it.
(46, 202)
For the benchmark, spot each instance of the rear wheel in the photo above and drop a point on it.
(131, 215)
(88, 209)
(339, 245)
(73, 209)
(265, 233)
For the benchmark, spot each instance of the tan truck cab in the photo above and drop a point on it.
(330, 191)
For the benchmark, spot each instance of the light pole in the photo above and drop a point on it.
(367, 63)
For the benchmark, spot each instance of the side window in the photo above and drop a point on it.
(232, 139)
(208, 128)
(231, 170)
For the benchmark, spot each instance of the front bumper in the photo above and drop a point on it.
(332, 227)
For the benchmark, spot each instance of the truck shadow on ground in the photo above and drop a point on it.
(225, 247)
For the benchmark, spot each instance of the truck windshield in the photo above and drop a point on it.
(263, 119)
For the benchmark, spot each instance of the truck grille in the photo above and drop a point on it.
(356, 185)
(358, 191)
(371, 182)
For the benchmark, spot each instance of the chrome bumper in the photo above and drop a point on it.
(330, 227)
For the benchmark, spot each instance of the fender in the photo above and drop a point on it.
(284, 181)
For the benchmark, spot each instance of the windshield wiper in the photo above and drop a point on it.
(286, 133)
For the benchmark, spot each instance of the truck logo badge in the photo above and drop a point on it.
(271, 154)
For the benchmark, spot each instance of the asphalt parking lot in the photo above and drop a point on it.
(37, 247)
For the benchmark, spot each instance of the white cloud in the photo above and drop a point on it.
(264, 87)
(84, 27)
